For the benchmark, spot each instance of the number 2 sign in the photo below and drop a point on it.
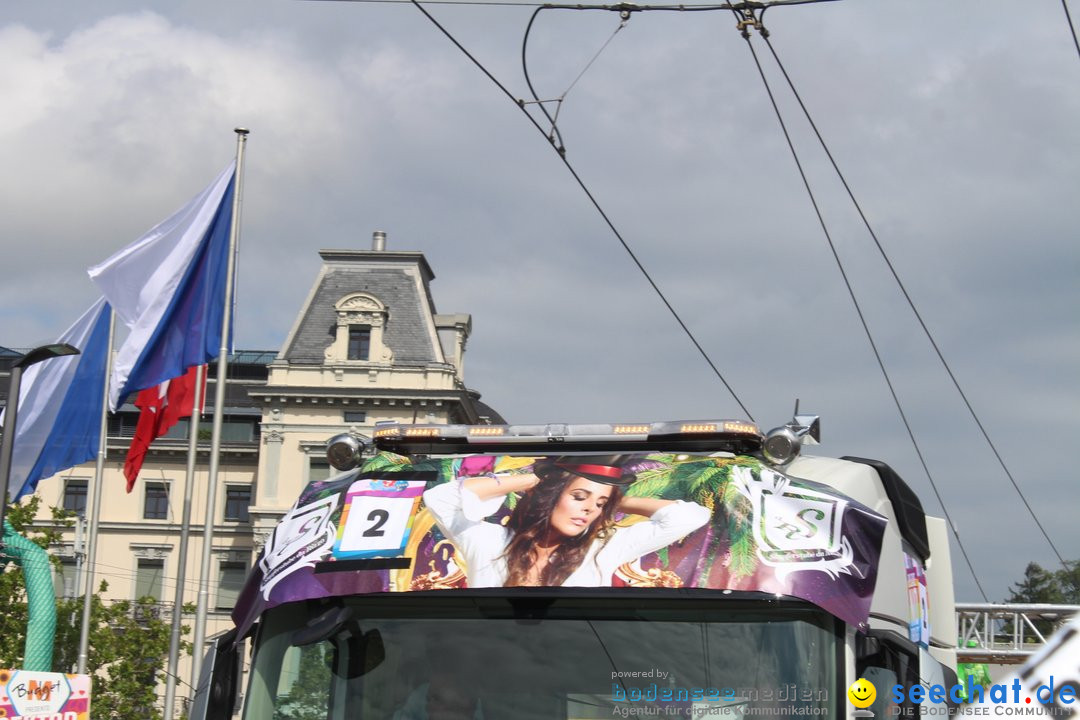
(377, 518)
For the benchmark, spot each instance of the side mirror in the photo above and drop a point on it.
(365, 650)
(219, 680)
(323, 626)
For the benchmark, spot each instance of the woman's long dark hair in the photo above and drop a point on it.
(532, 518)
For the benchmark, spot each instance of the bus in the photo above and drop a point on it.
(685, 569)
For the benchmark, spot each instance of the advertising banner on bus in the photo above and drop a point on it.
(626, 520)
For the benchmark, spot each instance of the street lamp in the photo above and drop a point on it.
(7, 446)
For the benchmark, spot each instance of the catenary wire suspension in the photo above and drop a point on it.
(599, 209)
(623, 15)
(554, 136)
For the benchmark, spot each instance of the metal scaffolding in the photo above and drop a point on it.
(1006, 634)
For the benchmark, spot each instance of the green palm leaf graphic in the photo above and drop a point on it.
(707, 482)
(385, 461)
(742, 560)
(655, 482)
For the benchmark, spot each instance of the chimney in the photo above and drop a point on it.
(378, 241)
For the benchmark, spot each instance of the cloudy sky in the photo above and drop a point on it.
(955, 123)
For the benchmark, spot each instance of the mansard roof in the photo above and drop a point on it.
(399, 280)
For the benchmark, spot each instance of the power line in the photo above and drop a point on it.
(1072, 28)
(747, 9)
(851, 293)
(910, 302)
(596, 204)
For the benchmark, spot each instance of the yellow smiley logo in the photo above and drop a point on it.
(862, 693)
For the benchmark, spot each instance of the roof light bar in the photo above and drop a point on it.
(737, 436)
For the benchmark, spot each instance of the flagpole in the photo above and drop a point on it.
(219, 410)
(95, 506)
(185, 532)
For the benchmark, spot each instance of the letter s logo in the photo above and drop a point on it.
(808, 529)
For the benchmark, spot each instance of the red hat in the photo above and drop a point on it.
(607, 469)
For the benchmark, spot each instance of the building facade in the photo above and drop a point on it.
(367, 347)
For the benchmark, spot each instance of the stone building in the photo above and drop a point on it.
(367, 347)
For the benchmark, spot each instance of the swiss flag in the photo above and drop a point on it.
(161, 407)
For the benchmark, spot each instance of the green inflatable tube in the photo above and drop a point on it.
(41, 602)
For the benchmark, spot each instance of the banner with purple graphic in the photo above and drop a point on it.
(626, 520)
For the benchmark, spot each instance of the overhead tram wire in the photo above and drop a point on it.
(1072, 28)
(910, 302)
(596, 204)
(748, 20)
(621, 7)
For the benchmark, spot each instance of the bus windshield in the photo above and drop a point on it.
(438, 656)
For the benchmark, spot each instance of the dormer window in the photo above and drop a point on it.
(360, 330)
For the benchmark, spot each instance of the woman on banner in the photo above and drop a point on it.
(561, 532)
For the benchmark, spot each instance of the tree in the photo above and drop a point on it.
(128, 644)
(1048, 586)
(306, 697)
(1057, 587)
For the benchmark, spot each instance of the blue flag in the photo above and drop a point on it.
(168, 288)
(59, 420)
